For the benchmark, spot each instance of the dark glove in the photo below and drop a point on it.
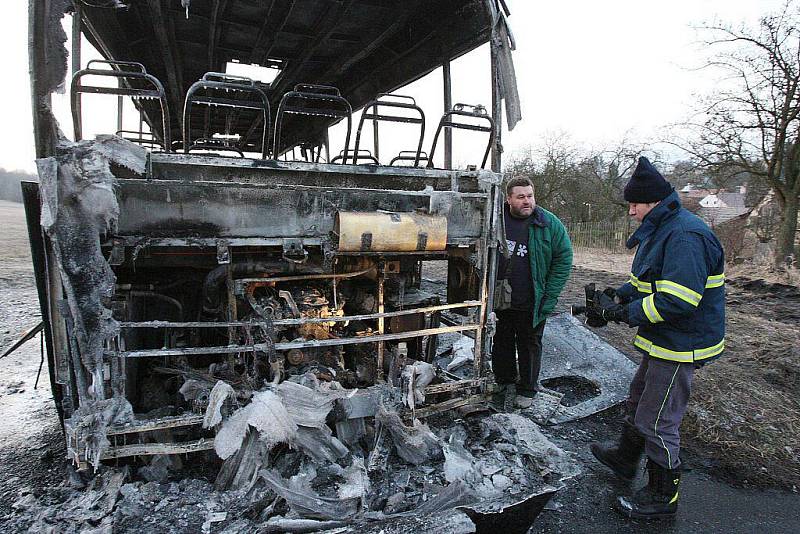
(594, 314)
(609, 309)
(616, 297)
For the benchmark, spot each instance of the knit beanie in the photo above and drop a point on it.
(646, 185)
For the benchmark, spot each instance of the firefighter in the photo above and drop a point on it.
(676, 298)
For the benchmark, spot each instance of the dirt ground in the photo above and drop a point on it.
(742, 434)
(31, 444)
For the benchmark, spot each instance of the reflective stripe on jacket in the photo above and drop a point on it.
(676, 290)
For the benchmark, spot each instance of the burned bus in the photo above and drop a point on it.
(230, 244)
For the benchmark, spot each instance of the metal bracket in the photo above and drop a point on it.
(490, 329)
(366, 241)
(223, 253)
(117, 253)
(285, 295)
(266, 313)
(454, 181)
(422, 241)
(392, 268)
(293, 251)
(328, 253)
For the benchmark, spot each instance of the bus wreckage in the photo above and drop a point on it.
(226, 286)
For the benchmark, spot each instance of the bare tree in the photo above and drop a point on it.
(550, 166)
(576, 183)
(752, 124)
(606, 171)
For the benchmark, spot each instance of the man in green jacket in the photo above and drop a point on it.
(537, 269)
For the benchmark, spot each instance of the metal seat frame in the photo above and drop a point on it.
(375, 116)
(410, 155)
(217, 81)
(124, 71)
(465, 110)
(304, 93)
(362, 154)
(214, 144)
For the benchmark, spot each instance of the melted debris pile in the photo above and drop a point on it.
(284, 470)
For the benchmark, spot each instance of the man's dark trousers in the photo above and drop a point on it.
(515, 335)
(657, 402)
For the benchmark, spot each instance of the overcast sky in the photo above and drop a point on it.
(598, 71)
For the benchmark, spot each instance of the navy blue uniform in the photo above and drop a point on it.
(676, 296)
(677, 286)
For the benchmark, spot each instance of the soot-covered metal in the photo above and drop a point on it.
(265, 334)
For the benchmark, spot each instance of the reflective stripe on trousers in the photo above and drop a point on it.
(657, 401)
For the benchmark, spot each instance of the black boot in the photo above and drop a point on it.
(657, 500)
(622, 458)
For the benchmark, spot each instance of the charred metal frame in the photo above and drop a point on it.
(411, 155)
(124, 71)
(375, 116)
(216, 81)
(214, 145)
(357, 157)
(139, 137)
(448, 123)
(473, 198)
(296, 102)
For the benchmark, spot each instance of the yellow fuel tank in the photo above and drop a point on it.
(390, 232)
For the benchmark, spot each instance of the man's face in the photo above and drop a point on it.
(639, 211)
(521, 201)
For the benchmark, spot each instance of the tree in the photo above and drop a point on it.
(550, 166)
(605, 172)
(684, 173)
(752, 124)
(577, 184)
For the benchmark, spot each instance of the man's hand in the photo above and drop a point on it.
(616, 297)
(609, 309)
(594, 315)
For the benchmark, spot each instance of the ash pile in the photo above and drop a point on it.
(307, 455)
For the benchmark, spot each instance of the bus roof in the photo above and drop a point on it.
(361, 47)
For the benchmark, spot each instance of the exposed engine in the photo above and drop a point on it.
(271, 304)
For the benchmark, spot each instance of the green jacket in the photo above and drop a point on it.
(551, 261)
